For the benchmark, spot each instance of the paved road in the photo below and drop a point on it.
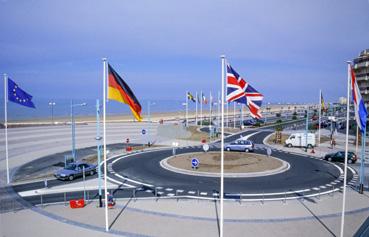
(305, 173)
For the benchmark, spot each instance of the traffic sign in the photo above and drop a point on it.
(143, 131)
(205, 147)
(195, 162)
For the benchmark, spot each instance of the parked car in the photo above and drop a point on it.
(75, 170)
(240, 145)
(340, 157)
(249, 122)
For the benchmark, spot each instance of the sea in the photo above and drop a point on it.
(62, 108)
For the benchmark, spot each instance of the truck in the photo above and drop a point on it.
(299, 140)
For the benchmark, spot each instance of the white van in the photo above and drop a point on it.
(299, 140)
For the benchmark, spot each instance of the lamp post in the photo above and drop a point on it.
(74, 127)
(306, 128)
(52, 104)
(98, 141)
(149, 103)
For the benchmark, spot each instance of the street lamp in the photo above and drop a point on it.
(149, 103)
(52, 104)
(74, 127)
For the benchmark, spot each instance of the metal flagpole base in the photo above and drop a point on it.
(100, 201)
(361, 188)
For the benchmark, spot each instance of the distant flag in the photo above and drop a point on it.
(204, 100)
(322, 101)
(119, 90)
(190, 97)
(19, 96)
(360, 110)
(240, 91)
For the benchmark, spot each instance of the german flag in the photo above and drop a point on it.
(119, 90)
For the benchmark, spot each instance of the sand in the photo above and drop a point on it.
(234, 162)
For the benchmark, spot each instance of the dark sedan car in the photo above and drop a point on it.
(340, 157)
(74, 170)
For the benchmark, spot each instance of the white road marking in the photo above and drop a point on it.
(191, 192)
(203, 193)
(133, 181)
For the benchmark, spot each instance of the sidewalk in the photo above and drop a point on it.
(322, 149)
(171, 217)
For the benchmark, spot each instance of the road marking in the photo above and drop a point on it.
(191, 192)
(170, 194)
(118, 182)
(133, 181)
(180, 191)
(203, 193)
(323, 187)
(316, 189)
(168, 189)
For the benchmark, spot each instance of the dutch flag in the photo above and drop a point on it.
(360, 110)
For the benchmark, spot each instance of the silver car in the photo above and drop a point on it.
(240, 145)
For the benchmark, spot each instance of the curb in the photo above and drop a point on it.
(164, 164)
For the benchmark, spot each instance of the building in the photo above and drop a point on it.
(361, 68)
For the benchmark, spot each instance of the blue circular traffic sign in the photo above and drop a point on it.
(143, 131)
(195, 162)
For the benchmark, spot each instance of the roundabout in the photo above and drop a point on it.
(305, 177)
(236, 164)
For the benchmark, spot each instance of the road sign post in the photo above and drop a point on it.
(195, 163)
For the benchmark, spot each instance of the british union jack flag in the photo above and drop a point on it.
(240, 91)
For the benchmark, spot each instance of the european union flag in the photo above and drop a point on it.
(19, 96)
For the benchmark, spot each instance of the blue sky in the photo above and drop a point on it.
(287, 49)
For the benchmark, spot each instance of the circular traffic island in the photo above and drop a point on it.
(236, 164)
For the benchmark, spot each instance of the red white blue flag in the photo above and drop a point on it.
(360, 110)
(242, 92)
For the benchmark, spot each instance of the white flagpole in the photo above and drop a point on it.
(186, 109)
(218, 115)
(197, 98)
(210, 105)
(346, 149)
(320, 115)
(227, 121)
(201, 109)
(6, 126)
(222, 153)
(104, 137)
(234, 114)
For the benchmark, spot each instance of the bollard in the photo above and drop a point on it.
(285, 197)
(303, 196)
(198, 195)
(42, 203)
(65, 199)
(134, 194)
(156, 192)
(240, 198)
(88, 195)
(177, 195)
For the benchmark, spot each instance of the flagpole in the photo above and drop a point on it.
(346, 149)
(320, 115)
(227, 115)
(196, 106)
(201, 109)
(186, 109)
(234, 114)
(222, 153)
(362, 161)
(104, 137)
(218, 115)
(6, 127)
